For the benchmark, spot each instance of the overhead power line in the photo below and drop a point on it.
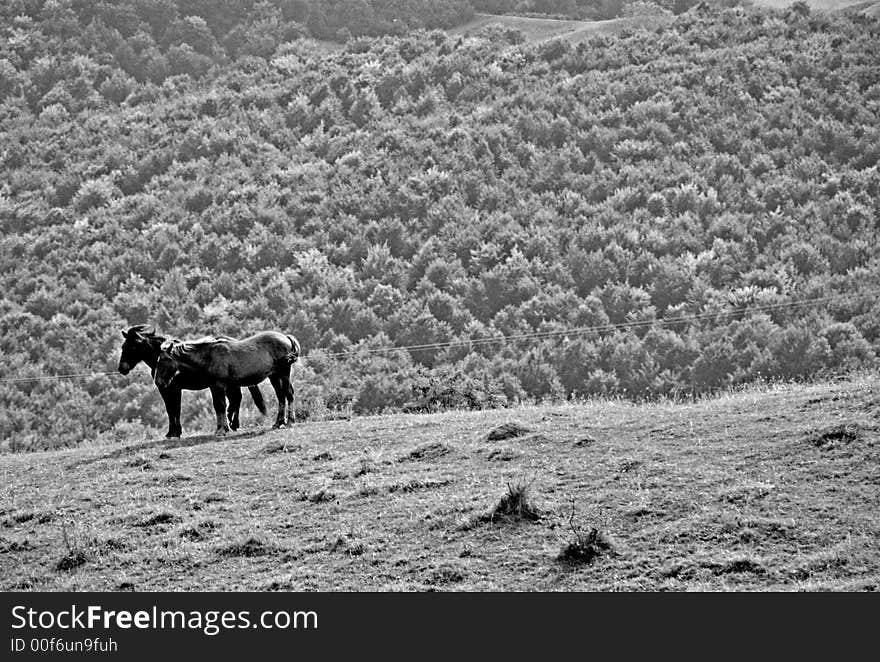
(584, 330)
(536, 335)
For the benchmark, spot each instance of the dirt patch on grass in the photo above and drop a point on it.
(507, 431)
(321, 496)
(23, 518)
(736, 566)
(347, 546)
(415, 485)
(429, 451)
(159, 518)
(446, 574)
(199, 532)
(248, 548)
(279, 446)
(15, 546)
(72, 560)
(748, 492)
(113, 545)
(503, 454)
(836, 436)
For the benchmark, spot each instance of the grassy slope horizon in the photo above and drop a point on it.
(766, 488)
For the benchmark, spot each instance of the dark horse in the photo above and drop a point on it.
(226, 363)
(143, 344)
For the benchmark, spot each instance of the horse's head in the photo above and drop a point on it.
(167, 367)
(134, 347)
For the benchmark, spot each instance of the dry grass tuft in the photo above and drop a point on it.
(515, 506)
(77, 547)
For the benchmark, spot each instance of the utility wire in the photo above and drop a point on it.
(586, 329)
(536, 335)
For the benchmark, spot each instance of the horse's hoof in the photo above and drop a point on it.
(221, 431)
(278, 426)
(172, 435)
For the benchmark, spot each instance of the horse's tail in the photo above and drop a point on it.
(257, 395)
(295, 351)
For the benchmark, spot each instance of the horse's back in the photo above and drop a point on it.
(273, 341)
(266, 336)
(263, 346)
(241, 362)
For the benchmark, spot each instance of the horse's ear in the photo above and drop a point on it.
(125, 335)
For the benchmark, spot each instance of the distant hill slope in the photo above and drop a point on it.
(818, 5)
(544, 29)
(872, 10)
(763, 489)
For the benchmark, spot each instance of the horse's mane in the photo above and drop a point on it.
(190, 351)
(145, 331)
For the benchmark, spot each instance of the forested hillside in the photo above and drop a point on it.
(161, 166)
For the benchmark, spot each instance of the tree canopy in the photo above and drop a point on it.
(162, 164)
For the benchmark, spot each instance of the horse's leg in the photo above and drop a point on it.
(287, 389)
(280, 419)
(218, 395)
(233, 394)
(171, 398)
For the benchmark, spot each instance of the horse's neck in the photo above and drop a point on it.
(150, 352)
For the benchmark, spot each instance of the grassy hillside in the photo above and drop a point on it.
(765, 488)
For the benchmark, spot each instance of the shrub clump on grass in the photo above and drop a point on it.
(516, 505)
(585, 547)
(78, 550)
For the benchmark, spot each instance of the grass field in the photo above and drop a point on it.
(764, 489)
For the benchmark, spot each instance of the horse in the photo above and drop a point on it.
(143, 344)
(226, 363)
